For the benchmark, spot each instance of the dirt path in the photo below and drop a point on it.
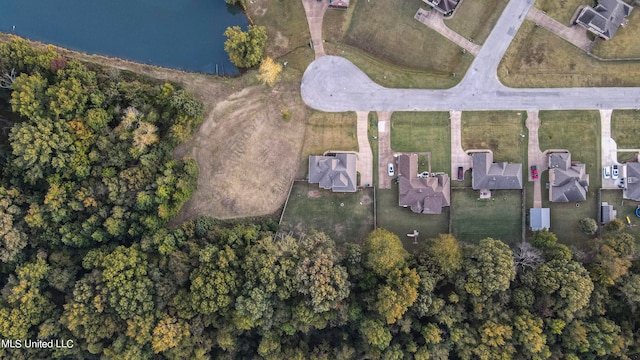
(608, 146)
(365, 156)
(575, 35)
(385, 154)
(433, 19)
(536, 157)
(458, 156)
(315, 12)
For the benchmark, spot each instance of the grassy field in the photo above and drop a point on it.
(578, 132)
(499, 131)
(475, 19)
(624, 44)
(328, 131)
(499, 217)
(423, 131)
(561, 10)
(624, 208)
(387, 30)
(402, 221)
(625, 128)
(345, 217)
(538, 58)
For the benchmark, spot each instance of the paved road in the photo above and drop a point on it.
(365, 156)
(334, 84)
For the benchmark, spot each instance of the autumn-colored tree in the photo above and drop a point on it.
(269, 71)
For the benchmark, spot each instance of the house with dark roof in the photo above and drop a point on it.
(339, 4)
(487, 175)
(335, 171)
(446, 7)
(607, 213)
(632, 180)
(568, 181)
(605, 19)
(424, 195)
(539, 219)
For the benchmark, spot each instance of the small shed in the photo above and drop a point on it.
(607, 213)
(539, 219)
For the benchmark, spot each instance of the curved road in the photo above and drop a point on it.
(334, 84)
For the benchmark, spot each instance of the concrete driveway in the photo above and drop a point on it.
(315, 13)
(608, 147)
(458, 156)
(434, 20)
(576, 35)
(365, 156)
(385, 154)
(535, 156)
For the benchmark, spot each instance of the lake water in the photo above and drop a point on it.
(179, 34)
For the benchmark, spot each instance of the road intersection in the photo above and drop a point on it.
(334, 84)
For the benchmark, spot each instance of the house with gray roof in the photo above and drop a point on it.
(607, 213)
(336, 171)
(539, 219)
(568, 181)
(424, 195)
(339, 4)
(446, 7)
(632, 180)
(605, 19)
(487, 175)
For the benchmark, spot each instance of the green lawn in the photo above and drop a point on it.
(625, 42)
(475, 19)
(624, 208)
(561, 10)
(345, 217)
(388, 31)
(499, 217)
(578, 132)
(624, 157)
(538, 58)
(625, 128)
(499, 131)
(423, 131)
(328, 131)
(402, 221)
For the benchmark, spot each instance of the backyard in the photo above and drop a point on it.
(624, 208)
(423, 131)
(345, 217)
(578, 132)
(500, 131)
(538, 58)
(499, 217)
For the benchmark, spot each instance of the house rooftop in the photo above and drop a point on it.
(632, 190)
(607, 213)
(605, 19)
(425, 195)
(443, 6)
(336, 171)
(568, 181)
(494, 176)
(539, 219)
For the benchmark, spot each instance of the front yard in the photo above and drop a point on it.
(423, 131)
(500, 131)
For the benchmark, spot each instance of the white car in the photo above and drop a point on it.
(391, 171)
(606, 172)
(614, 173)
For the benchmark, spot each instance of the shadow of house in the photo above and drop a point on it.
(446, 7)
(339, 4)
(605, 19)
(632, 180)
(336, 171)
(487, 175)
(424, 195)
(568, 181)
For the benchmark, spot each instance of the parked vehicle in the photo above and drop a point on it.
(391, 170)
(460, 173)
(534, 172)
(606, 172)
(614, 174)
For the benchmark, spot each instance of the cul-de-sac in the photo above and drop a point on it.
(320, 179)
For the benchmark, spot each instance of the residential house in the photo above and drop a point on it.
(607, 213)
(568, 182)
(605, 19)
(632, 180)
(539, 219)
(487, 175)
(446, 7)
(335, 171)
(339, 4)
(425, 195)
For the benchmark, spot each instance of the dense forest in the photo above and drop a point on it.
(88, 184)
